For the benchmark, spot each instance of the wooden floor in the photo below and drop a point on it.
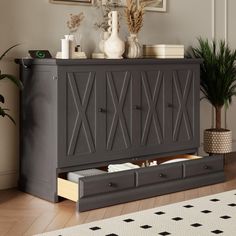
(23, 214)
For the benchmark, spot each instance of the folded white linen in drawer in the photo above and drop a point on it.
(122, 167)
(74, 176)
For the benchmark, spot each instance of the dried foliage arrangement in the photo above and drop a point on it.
(75, 21)
(134, 16)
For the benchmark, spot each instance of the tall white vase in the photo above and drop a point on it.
(114, 47)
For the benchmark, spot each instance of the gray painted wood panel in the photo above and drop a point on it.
(158, 174)
(106, 183)
(203, 166)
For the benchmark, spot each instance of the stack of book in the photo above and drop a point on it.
(163, 51)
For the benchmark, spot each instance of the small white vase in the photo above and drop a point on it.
(71, 38)
(133, 49)
(114, 47)
(104, 36)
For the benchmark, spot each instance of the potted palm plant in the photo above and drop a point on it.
(4, 111)
(218, 85)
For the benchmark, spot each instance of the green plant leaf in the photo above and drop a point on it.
(9, 49)
(3, 114)
(2, 100)
(16, 81)
(218, 71)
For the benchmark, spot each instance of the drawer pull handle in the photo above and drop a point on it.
(206, 167)
(101, 110)
(161, 175)
(169, 105)
(136, 107)
(111, 185)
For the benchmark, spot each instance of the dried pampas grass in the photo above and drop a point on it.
(134, 16)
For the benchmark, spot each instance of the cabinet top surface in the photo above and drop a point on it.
(70, 62)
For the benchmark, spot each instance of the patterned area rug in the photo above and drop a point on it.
(207, 216)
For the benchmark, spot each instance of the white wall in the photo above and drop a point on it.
(37, 24)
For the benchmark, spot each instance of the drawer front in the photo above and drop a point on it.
(202, 166)
(106, 183)
(157, 174)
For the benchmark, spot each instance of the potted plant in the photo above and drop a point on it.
(4, 111)
(218, 85)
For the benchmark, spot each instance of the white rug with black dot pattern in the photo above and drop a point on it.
(207, 216)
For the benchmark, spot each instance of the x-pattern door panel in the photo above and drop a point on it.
(153, 108)
(77, 117)
(184, 102)
(119, 112)
(80, 121)
(124, 112)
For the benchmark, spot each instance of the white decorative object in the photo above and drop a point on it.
(104, 36)
(133, 49)
(114, 47)
(76, 55)
(71, 38)
(163, 51)
(65, 48)
(98, 55)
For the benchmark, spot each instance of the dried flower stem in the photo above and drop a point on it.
(134, 16)
(75, 21)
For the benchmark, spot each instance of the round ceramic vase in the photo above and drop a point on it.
(133, 49)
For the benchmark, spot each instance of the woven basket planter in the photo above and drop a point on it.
(217, 142)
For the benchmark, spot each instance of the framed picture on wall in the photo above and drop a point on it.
(81, 2)
(114, 3)
(155, 5)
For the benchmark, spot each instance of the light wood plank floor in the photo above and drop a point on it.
(23, 214)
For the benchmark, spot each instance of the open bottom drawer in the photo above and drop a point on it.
(95, 185)
(118, 187)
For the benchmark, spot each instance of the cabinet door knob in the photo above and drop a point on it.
(206, 167)
(161, 175)
(136, 107)
(110, 184)
(170, 105)
(101, 110)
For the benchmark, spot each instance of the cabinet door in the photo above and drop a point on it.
(77, 116)
(169, 102)
(118, 124)
(153, 109)
(184, 108)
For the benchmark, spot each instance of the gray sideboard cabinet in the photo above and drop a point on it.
(80, 114)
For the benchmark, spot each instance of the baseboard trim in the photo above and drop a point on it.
(8, 179)
(8, 172)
